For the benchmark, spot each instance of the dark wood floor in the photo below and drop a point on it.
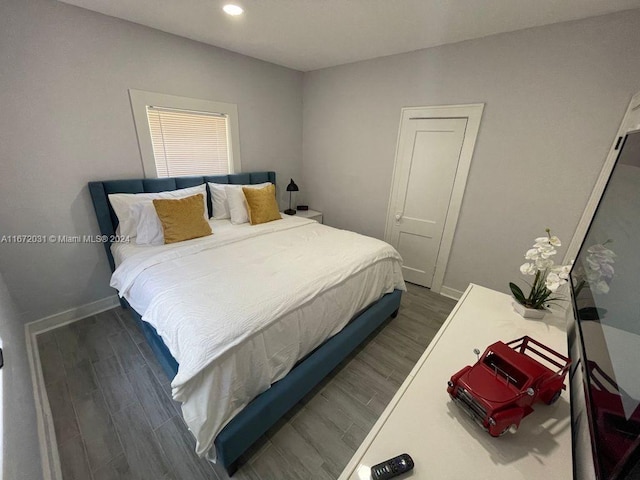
(114, 417)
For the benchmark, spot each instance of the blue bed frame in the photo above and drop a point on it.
(268, 407)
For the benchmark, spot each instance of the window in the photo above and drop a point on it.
(188, 143)
(185, 136)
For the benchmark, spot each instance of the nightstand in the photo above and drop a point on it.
(312, 214)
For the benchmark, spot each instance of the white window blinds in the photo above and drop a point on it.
(188, 142)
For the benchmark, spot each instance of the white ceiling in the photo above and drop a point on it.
(311, 34)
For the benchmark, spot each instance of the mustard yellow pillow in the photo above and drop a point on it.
(261, 204)
(183, 218)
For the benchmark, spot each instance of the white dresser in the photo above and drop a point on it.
(444, 442)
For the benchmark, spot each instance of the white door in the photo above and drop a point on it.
(428, 155)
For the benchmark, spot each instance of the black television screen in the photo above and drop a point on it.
(605, 281)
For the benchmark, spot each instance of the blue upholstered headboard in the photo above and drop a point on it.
(107, 219)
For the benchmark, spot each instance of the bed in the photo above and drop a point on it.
(283, 347)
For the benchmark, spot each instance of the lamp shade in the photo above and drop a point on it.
(292, 187)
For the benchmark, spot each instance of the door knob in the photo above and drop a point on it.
(398, 216)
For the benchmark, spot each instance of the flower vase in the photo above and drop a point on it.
(528, 312)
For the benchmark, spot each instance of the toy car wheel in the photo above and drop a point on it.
(513, 428)
(554, 398)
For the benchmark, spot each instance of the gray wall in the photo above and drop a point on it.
(554, 99)
(64, 79)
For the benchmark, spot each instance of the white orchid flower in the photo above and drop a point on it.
(608, 255)
(544, 263)
(549, 277)
(564, 271)
(597, 270)
(528, 269)
(532, 254)
(606, 270)
(553, 281)
(600, 249)
(593, 276)
(593, 263)
(603, 257)
(608, 259)
(600, 287)
(546, 253)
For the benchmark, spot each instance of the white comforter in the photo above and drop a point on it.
(237, 309)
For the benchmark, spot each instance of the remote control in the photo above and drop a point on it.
(392, 467)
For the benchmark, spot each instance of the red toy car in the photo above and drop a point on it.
(500, 388)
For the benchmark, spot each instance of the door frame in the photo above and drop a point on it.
(473, 114)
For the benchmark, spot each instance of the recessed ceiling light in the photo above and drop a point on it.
(231, 9)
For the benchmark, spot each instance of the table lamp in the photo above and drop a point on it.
(292, 187)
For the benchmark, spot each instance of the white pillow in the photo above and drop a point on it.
(121, 203)
(220, 207)
(237, 206)
(148, 226)
(219, 202)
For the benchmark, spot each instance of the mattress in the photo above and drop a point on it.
(239, 308)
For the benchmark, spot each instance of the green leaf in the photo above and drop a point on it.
(517, 293)
(555, 300)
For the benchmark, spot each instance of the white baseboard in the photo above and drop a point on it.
(46, 432)
(451, 292)
(73, 314)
